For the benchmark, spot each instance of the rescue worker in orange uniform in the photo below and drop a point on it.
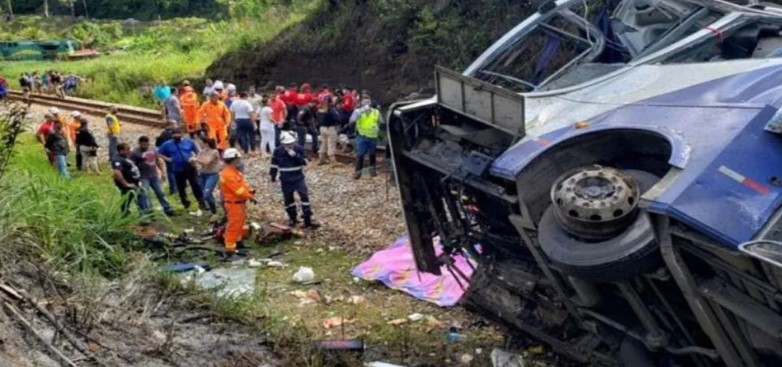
(216, 117)
(189, 102)
(236, 193)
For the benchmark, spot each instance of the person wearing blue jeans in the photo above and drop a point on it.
(57, 146)
(242, 111)
(367, 120)
(146, 160)
(171, 179)
(208, 160)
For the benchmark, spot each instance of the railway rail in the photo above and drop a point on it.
(127, 114)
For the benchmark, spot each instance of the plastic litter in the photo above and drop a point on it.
(304, 274)
(275, 264)
(229, 282)
(501, 358)
(454, 336)
(466, 359)
(415, 317)
(350, 345)
(254, 263)
(381, 364)
(357, 300)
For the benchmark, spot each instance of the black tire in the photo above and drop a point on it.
(632, 252)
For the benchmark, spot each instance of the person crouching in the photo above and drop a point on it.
(288, 160)
(236, 193)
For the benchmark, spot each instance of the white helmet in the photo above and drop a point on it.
(287, 138)
(75, 114)
(231, 88)
(54, 110)
(218, 85)
(231, 153)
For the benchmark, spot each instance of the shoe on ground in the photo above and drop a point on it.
(171, 214)
(231, 257)
(197, 213)
(293, 223)
(357, 175)
(323, 162)
(373, 173)
(311, 225)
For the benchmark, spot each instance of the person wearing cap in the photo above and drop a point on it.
(42, 134)
(288, 163)
(367, 120)
(215, 117)
(189, 102)
(181, 153)
(57, 145)
(73, 129)
(236, 193)
(87, 147)
(113, 129)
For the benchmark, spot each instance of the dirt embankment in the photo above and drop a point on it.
(387, 46)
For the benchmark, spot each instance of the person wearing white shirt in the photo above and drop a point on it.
(267, 127)
(242, 112)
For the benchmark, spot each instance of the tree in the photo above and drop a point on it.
(46, 8)
(71, 4)
(10, 8)
(86, 14)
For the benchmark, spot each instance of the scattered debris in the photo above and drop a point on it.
(397, 322)
(350, 345)
(197, 213)
(466, 359)
(254, 263)
(357, 300)
(501, 358)
(415, 317)
(275, 264)
(183, 267)
(433, 322)
(381, 364)
(229, 282)
(304, 274)
(336, 321)
(189, 230)
(535, 350)
(454, 336)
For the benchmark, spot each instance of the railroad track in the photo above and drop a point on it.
(128, 114)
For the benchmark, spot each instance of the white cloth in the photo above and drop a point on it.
(207, 91)
(255, 101)
(241, 109)
(268, 140)
(266, 118)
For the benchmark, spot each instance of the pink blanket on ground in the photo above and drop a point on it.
(395, 267)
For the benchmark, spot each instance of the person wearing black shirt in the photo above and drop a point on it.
(127, 178)
(87, 147)
(306, 124)
(328, 122)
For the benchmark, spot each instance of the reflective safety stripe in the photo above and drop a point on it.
(305, 204)
(291, 169)
(291, 206)
(240, 191)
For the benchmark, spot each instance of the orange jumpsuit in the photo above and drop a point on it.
(217, 118)
(73, 129)
(236, 192)
(189, 102)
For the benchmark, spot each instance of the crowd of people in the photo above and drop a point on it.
(225, 128)
(50, 81)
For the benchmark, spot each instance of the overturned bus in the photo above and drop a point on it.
(613, 161)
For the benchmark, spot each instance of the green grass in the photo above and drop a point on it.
(75, 225)
(168, 53)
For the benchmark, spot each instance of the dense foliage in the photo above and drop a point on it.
(120, 9)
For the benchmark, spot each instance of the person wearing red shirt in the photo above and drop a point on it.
(305, 96)
(279, 112)
(43, 132)
(290, 97)
(323, 95)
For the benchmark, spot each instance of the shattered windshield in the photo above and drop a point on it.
(586, 39)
